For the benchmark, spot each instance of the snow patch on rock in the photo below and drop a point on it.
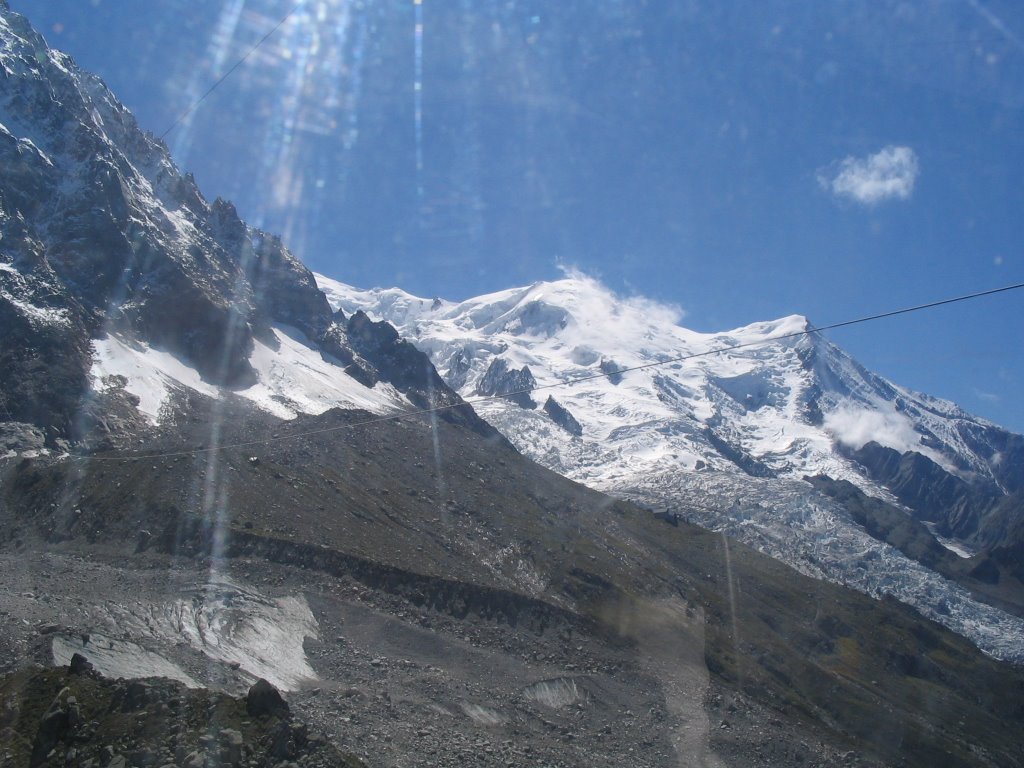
(293, 377)
(116, 658)
(264, 636)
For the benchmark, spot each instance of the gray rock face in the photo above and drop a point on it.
(502, 380)
(459, 366)
(15, 436)
(561, 416)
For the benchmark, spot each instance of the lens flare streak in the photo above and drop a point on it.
(217, 50)
(418, 93)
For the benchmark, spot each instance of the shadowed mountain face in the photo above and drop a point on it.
(203, 477)
(961, 509)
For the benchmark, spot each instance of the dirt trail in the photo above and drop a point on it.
(670, 639)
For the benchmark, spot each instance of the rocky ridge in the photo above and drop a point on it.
(73, 716)
(102, 237)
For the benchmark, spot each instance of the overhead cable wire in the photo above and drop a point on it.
(559, 384)
(192, 107)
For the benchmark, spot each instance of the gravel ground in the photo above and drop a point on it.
(400, 685)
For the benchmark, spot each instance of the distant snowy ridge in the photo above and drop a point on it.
(783, 404)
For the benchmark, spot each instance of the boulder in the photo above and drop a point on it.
(264, 700)
(79, 664)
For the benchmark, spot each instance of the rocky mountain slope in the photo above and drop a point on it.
(201, 482)
(120, 285)
(429, 597)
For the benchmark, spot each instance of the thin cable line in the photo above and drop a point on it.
(227, 74)
(571, 382)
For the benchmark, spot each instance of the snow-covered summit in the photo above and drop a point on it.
(768, 395)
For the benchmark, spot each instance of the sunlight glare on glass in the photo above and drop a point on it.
(312, 77)
(219, 50)
(418, 93)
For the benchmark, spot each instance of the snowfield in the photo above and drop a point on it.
(293, 378)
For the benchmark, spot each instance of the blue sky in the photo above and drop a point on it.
(742, 160)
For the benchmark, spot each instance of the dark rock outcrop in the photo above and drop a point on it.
(399, 363)
(737, 456)
(63, 719)
(264, 700)
(503, 381)
(561, 416)
(16, 436)
(612, 370)
(79, 665)
(54, 727)
(933, 493)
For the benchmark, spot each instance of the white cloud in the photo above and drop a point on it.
(855, 427)
(888, 174)
(575, 272)
(643, 309)
(657, 313)
(988, 397)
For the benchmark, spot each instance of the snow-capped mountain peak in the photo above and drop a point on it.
(724, 427)
(769, 391)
